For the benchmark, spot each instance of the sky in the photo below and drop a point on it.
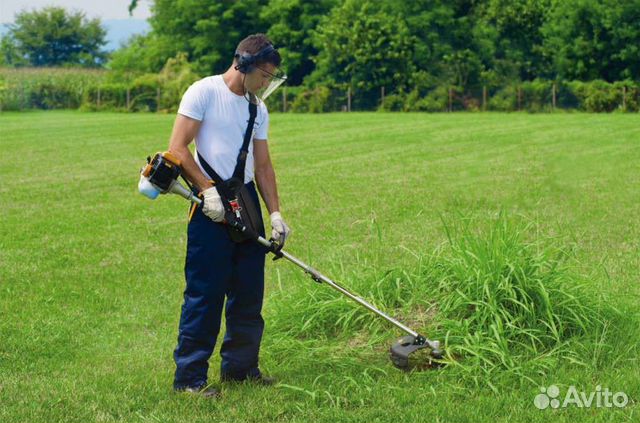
(104, 9)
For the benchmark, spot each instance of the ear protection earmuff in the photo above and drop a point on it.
(246, 61)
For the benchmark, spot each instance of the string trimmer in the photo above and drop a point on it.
(160, 176)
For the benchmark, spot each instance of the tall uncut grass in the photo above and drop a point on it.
(510, 300)
(505, 299)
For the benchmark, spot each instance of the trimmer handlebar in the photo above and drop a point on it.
(231, 220)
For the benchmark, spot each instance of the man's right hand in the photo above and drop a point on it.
(213, 207)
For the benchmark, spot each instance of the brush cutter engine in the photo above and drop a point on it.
(162, 171)
(160, 176)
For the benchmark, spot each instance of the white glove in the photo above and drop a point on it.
(213, 207)
(280, 230)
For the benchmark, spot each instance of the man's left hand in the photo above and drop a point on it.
(280, 230)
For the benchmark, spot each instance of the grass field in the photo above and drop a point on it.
(91, 273)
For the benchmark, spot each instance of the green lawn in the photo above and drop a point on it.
(91, 273)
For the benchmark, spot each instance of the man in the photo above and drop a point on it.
(214, 111)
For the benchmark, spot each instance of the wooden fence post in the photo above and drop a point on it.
(98, 98)
(284, 99)
(349, 99)
(128, 97)
(157, 99)
(450, 99)
(381, 96)
(484, 98)
(519, 98)
(624, 97)
(553, 96)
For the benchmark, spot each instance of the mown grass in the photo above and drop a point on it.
(403, 208)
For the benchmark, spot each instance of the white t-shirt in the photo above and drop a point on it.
(224, 116)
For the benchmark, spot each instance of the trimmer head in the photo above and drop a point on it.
(401, 350)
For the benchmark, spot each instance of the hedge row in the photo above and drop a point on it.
(95, 90)
(532, 96)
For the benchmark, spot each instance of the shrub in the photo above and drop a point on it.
(147, 92)
(174, 79)
(537, 95)
(314, 100)
(505, 100)
(393, 103)
(632, 97)
(438, 100)
(601, 96)
(144, 93)
(106, 96)
(597, 96)
(275, 103)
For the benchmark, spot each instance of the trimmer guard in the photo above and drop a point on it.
(401, 350)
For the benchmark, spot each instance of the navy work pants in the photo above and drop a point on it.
(215, 268)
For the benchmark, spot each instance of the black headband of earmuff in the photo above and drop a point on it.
(247, 60)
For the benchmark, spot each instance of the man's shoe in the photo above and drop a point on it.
(203, 391)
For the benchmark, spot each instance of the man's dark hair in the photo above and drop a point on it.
(254, 44)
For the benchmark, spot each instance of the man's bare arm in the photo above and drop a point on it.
(265, 175)
(185, 130)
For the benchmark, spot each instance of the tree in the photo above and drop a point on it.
(141, 54)
(9, 55)
(364, 47)
(210, 31)
(408, 45)
(207, 31)
(53, 37)
(290, 25)
(430, 24)
(595, 39)
(514, 28)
